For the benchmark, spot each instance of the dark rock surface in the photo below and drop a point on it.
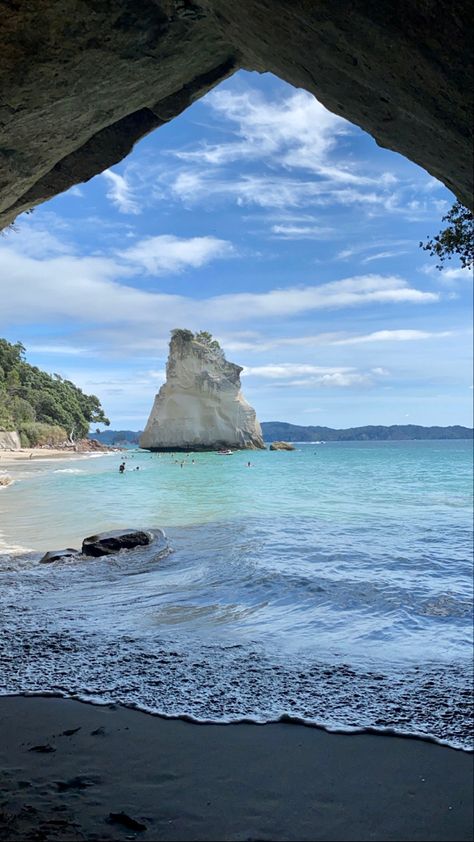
(58, 555)
(106, 543)
(82, 81)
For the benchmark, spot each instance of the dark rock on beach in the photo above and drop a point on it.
(106, 543)
(58, 555)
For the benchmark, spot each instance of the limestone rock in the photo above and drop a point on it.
(281, 445)
(10, 440)
(106, 543)
(200, 407)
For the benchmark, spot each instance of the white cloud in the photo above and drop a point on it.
(263, 191)
(63, 350)
(258, 344)
(64, 286)
(365, 289)
(450, 275)
(284, 370)
(392, 336)
(300, 232)
(169, 254)
(296, 128)
(121, 193)
(383, 255)
(313, 375)
(75, 191)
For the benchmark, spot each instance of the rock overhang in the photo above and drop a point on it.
(82, 82)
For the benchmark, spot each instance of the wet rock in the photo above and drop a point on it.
(281, 445)
(58, 555)
(106, 543)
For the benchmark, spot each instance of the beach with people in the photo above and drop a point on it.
(257, 614)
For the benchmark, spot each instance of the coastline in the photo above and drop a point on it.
(67, 766)
(34, 453)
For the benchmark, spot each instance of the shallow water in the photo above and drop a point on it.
(331, 584)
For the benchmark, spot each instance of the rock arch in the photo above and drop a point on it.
(83, 80)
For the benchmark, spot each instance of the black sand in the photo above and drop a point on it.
(72, 771)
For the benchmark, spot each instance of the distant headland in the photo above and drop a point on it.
(280, 430)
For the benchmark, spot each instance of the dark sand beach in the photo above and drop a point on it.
(72, 771)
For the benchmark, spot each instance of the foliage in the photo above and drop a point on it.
(31, 399)
(182, 333)
(456, 240)
(35, 434)
(205, 338)
(202, 336)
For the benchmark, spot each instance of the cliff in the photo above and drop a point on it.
(200, 407)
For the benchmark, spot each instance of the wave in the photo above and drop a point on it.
(283, 718)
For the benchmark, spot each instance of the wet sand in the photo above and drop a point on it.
(34, 453)
(72, 771)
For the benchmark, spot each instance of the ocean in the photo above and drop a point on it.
(330, 585)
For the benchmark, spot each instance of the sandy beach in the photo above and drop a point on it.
(34, 453)
(73, 771)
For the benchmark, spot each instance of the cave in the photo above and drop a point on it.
(81, 82)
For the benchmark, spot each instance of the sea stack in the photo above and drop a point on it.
(200, 407)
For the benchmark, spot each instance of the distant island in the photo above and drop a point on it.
(281, 431)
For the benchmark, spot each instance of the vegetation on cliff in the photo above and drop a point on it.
(202, 336)
(44, 408)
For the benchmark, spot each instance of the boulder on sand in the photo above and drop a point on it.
(106, 543)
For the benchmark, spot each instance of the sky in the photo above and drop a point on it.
(274, 224)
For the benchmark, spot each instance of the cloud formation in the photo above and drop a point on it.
(121, 194)
(167, 254)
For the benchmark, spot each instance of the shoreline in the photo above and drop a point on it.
(67, 766)
(27, 454)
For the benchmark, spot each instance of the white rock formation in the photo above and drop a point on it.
(10, 441)
(200, 407)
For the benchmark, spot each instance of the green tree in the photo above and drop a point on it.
(29, 397)
(205, 338)
(456, 240)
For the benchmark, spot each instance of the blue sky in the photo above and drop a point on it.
(281, 228)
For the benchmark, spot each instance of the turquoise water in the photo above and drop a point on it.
(331, 584)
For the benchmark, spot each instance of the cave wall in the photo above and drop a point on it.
(82, 80)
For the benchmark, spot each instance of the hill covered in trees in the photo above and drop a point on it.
(44, 408)
(279, 430)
